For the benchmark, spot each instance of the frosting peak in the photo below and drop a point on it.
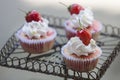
(85, 18)
(36, 29)
(76, 46)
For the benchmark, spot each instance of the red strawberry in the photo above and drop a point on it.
(75, 8)
(84, 35)
(33, 16)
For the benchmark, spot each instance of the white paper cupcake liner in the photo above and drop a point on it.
(99, 29)
(69, 28)
(81, 66)
(37, 48)
(95, 35)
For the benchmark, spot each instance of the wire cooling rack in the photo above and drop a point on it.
(51, 62)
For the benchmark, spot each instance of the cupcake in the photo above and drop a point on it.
(96, 28)
(80, 54)
(84, 18)
(36, 36)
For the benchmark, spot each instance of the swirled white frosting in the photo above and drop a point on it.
(36, 29)
(76, 46)
(74, 21)
(84, 19)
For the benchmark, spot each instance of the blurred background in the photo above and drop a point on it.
(11, 18)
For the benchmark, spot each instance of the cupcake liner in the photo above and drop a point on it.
(95, 35)
(37, 46)
(70, 34)
(69, 28)
(97, 29)
(69, 31)
(80, 64)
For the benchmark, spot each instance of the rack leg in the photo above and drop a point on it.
(66, 72)
(28, 56)
(65, 78)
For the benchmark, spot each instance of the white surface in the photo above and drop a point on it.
(107, 11)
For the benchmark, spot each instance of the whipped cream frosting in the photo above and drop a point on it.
(36, 29)
(84, 18)
(76, 46)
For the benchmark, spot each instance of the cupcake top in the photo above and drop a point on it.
(84, 18)
(36, 29)
(76, 46)
(76, 50)
(82, 43)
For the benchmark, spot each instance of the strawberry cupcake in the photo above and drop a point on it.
(84, 18)
(80, 54)
(36, 36)
(95, 29)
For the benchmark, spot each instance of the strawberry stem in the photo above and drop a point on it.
(63, 4)
(22, 10)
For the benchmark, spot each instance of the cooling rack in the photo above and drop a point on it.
(51, 62)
